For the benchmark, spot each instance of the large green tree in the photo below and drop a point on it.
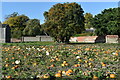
(17, 25)
(14, 14)
(32, 28)
(107, 22)
(88, 17)
(63, 21)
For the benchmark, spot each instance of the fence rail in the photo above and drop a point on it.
(86, 39)
(37, 38)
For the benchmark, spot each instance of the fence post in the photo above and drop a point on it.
(40, 38)
(22, 39)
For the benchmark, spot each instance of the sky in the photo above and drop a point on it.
(36, 9)
(60, 0)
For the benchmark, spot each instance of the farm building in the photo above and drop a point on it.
(5, 34)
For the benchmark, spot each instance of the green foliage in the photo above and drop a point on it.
(37, 43)
(22, 25)
(17, 24)
(14, 14)
(84, 34)
(18, 21)
(16, 33)
(107, 22)
(26, 61)
(63, 21)
(32, 28)
(88, 17)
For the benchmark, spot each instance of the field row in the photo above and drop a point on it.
(61, 61)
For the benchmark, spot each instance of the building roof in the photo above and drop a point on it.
(90, 30)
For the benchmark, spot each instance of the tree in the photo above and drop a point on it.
(32, 28)
(107, 22)
(12, 15)
(63, 21)
(42, 28)
(88, 17)
(17, 25)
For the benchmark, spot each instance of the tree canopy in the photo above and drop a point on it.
(14, 14)
(107, 22)
(63, 21)
(17, 21)
(88, 17)
(32, 28)
(17, 24)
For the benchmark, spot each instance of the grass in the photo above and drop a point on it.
(38, 43)
(27, 43)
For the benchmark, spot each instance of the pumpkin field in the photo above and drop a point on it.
(61, 62)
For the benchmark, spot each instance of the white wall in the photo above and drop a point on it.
(2, 35)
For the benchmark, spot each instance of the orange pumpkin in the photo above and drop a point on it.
(46, 76)
(58, 75)
(59, 71)
(6, 58)
(52, 60)
(91, 59)
(6, 65)
(90, 64)
(97, 53)
(80, 60)
(57, 59)
(95, 78)
(86, 61)
(63, 72)
(75, 65)
(104, 65)
(87, 49)
(75, 53)
(16, 66)
(48, 67)
(107, 52)
(62, 64)
(78, 65)
(52, 65)
(112, 75)
(13, 68)
(24, 56)
(116, 54)
(13, 63)
(69, 72)
(66, 64)
(8, 77)
(34, 64)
